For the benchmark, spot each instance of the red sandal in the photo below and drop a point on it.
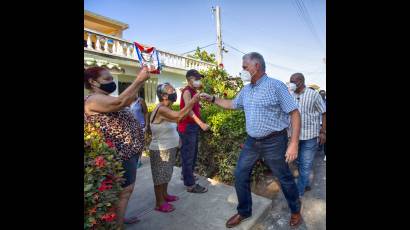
(171, 198)
(165, 207)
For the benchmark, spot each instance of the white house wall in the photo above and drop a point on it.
(176, 80)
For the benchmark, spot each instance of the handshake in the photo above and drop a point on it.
(202, 96)
(197, 98)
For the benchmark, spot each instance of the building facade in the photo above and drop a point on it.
(104, 46)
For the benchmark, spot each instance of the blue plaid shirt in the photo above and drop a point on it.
(267, 105)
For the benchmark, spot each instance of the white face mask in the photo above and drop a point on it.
(196, 83)
(245, 76)
(292, 87)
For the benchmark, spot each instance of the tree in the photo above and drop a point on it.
(203, 56)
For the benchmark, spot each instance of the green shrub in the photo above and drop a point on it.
(219, 149)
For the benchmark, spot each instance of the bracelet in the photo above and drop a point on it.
(213, 99)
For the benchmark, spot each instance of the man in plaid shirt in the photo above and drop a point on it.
(268, 108)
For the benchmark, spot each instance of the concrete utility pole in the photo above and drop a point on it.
(217, 11)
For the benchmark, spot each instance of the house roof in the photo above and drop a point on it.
(104, 20)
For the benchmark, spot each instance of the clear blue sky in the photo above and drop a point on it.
(270, 27)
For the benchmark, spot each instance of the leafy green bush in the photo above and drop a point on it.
(102, 180)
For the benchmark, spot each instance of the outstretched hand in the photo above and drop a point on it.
(206, 97)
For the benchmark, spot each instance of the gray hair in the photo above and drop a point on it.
(161, 90)
(254, 56)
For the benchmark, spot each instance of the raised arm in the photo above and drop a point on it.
(198, 121)
(103, 103)
(177, 116)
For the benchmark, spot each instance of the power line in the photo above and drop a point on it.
(274, 65)
(305, 17)
(271, 64)
(199, 48)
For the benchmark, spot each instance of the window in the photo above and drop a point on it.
(122, 86)
(148, 91)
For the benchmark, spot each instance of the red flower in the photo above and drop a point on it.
(99, 162)
(221, 65)
(106, 184)
(109, 217)
(109, 143)
(92, 211)
(241, 146)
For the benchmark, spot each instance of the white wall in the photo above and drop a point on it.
(176, 80)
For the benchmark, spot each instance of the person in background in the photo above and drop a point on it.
(117, 125)
(188, 130)
(323, 95)
(269, 109)
(140, 111)
(164, 143)
(311, 107)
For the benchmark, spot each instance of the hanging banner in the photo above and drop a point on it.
(148, 56)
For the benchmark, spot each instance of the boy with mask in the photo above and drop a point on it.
(188, 129)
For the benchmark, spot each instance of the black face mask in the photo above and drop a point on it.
(172, 97)
(108, 87)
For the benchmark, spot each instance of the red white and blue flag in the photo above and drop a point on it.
(148, 56)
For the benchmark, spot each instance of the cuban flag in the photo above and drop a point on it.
(148, 56)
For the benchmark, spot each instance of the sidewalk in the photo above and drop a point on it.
(208, 211)
(314, 204)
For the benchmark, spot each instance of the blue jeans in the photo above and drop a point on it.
(272, 150)
(189, 152)
(307, 151)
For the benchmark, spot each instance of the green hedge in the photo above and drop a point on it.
(219, 149)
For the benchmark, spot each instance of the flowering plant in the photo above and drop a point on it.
(102, 180)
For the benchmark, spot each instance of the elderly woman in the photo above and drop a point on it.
(117, 124)
(164, 144)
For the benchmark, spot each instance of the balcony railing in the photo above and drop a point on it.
(106, 44)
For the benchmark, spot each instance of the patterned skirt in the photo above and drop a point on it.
(162, 165)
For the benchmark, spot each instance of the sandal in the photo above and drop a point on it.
(133, 220)
(197, 189)
(165, 207)
(171, 198)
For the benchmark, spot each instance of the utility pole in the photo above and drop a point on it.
(217, 11)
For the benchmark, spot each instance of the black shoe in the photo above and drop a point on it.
(308, 188)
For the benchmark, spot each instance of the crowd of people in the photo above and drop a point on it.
(283, 124)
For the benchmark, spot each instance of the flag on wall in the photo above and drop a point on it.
(148, 56)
